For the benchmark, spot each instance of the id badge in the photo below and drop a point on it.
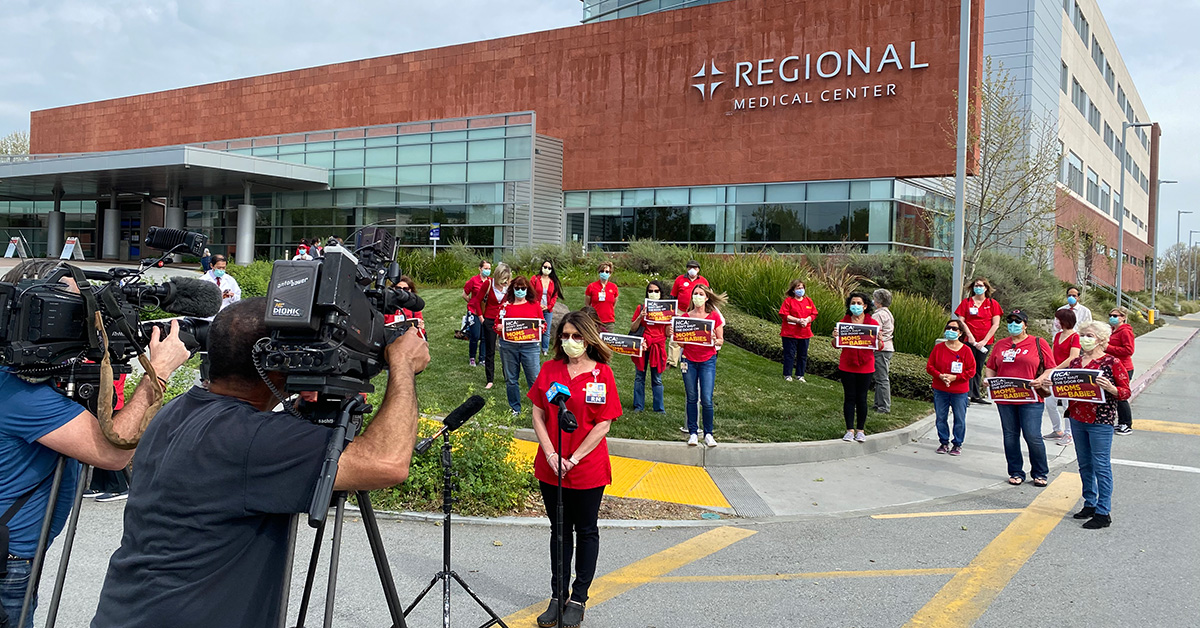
(683, 366)
(973, 311)
(595, 392)
(602, 297)
(956, 368)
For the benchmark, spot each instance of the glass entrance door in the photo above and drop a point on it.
(576, 228)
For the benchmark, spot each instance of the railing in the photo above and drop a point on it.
(1128, 302)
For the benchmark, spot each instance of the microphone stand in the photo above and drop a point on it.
(566, 423)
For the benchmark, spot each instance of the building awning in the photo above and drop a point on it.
(155, 172)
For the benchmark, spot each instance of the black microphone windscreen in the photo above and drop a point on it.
(194, 297)
(455, 419)
(165, 239)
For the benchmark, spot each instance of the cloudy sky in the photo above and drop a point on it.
(62, 52)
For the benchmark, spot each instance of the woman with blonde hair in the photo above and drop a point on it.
(699, 364)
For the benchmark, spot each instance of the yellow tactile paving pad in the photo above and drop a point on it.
(659, 481)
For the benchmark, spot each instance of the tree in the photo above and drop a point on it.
(15, 143)
(1081, 241)
(1012, 200)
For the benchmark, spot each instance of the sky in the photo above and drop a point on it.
(63, 52)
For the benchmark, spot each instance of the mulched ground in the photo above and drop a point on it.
(627, 508)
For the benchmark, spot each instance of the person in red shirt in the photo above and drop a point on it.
(546, 289)
(982, 315)
(515, 356)
(111, 486)
(684, 284)
(699, 364)
(856, 369)
(951, 364)
(654, 354)
(475, 319)
(1120, 346)
(1065, 347)
(580, 363)
(798, 313)
(1025, 357)
(1094, 422)
(487, 302)
(602, 296)
(406, 284)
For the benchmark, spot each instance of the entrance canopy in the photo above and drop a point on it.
(154, 172)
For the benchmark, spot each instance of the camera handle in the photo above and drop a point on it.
(344, 430)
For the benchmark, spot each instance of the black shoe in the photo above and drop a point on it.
(549, 619)
(572, 614)
(1087, 512)
(1095, 523)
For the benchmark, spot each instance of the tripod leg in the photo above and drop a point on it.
(68, 542)
(285, 591)
(334, 555)
(495, 618)
(381, 562)
(39, 557)
(428, 588)
(311, 577)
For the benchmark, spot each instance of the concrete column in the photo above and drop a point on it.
(173, 219)
(245, 234)
(111, 240)
(56, 222)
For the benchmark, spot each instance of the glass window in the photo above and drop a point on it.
(485, 193)
(348, 198)
(478, 134)
(449, 136)
(860, 221)
(485, 171)
(448, 173)
(827, 221)
(485, 214)
(783, 222)
(749, 194)
(707, 195)
(375, 177)
(606, 199)
(514, 131)
(881, 188)
(673, 196)
(381, 196)
(347, 178)
(1093, 188)
(381, 156)
(414, 138)
(749, 222)
(412, 174)
(381, 141)
(786, 193)
(1064, 78)
(348, 159)
(829, 191)
(1105, 198)
(516, 169)
(517, 147)
(486, 149)
(323, 160)
(454, 151)
(575, 199)
(415, 154)
(704, 221)
(1075, 173)
(414, 194)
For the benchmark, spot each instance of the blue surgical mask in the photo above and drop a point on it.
(1114, 321)
(218, 272)
(856, 309)
(520, 293)
(980, 289)
(485, 272)
(605, 276)
(1015, 328)
(1072, 300)
(951, 334)
(799, 293)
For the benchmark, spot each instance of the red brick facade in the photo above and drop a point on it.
(1076, 216)
(619, 94)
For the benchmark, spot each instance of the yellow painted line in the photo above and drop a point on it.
(815, 575)
(950, 513)
(1170, 427)
(642, 571)
(641, 479)
(969, 593)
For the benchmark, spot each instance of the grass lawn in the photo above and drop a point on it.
(753, 402)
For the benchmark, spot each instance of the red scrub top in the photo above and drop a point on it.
(979, 318)
(535, 292)
(858, 360)
(1020, 359)
(800, 308)
(700, 353)
(604, 308)
(682, 290)
(941, 361)
(594, 469)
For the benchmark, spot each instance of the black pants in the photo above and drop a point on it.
(489, 343)
(581, 509)
(795, 355)
(109, 481)
(1124, 412)
(977, 391)
(854, 402)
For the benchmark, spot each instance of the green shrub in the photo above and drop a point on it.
(442, 270)
(919, 321)
(1018, 284)
(907, 372)
(655, 258)
(905, 272)
(253, 279)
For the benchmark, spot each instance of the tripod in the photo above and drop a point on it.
(446, 574)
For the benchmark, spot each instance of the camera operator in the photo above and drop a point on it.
(218, 476)
(37, 424)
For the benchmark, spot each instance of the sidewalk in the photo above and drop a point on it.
(849, 477)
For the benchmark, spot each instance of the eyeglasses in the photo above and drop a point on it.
(547, 268)
(575, 337)
(1116, 314)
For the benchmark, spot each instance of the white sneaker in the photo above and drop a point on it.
(788, 378)
(685, 430)
(849, 436)
(861, 437)
(801, 379)
(693, 440)
(709, 440)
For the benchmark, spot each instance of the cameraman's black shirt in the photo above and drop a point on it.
(206, 524)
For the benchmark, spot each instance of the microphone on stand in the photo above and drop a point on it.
(453, 421)
(558, 395)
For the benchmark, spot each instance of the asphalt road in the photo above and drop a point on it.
(1014, 567)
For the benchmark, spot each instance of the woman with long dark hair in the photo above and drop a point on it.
(580, 363)
(518, 355)
(654, 353)
(856, 369)
(546, 292)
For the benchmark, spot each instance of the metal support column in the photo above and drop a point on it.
(960, 165)
(173, 219)
(245, 228)
(111, 240)
(56, 223)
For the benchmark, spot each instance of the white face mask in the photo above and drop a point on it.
(692, 272)
(574, 348)
(1087, 344)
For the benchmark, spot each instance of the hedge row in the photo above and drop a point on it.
(907, 371)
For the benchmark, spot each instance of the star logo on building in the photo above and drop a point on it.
(707, 87)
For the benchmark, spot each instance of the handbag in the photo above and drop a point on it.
(1042, 391)
(674, 354)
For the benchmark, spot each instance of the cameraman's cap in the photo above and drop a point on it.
(693, 264)
(1019, 315)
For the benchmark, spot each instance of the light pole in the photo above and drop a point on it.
(1178, 260)
(1157, 229)
(960, 163)
(1121, 210)
(1191, 265)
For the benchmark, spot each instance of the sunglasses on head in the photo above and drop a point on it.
(575, 337)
